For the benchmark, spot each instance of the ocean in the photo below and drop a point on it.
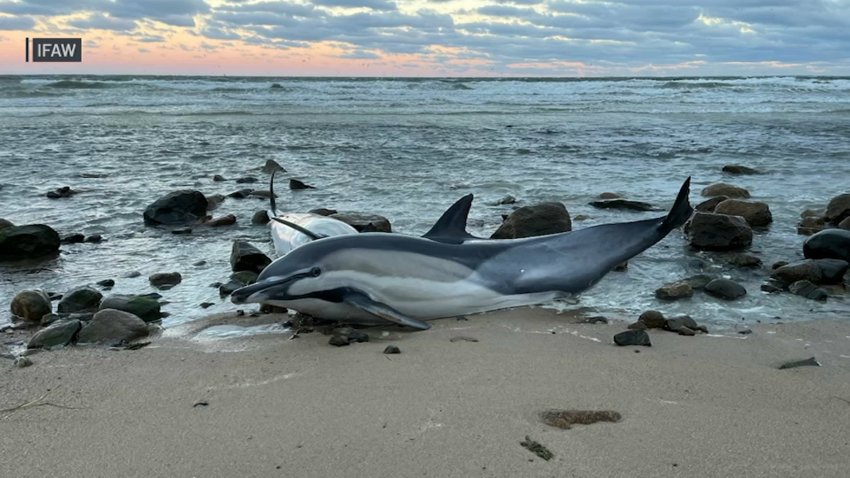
(406, 149)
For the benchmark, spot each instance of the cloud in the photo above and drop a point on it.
(103, 22)
(16, 23)
(172, 12)
(372, 4)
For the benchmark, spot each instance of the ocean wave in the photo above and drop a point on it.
(78, 84)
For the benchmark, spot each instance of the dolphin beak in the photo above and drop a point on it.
(254, 292)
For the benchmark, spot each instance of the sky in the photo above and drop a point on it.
(573, 38)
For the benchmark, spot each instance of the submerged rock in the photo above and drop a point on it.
(61, 193)
(537, 220)
(296, 184)
(110, 325)
(723, 189)
(832, 270)
(739, 170)
(364, 222)
(58, 334)
(245, 257)
(80, 300)
(626, 204)
(757, 214)
(712, 231)
(827, 244)
(743, 260)
(162, 280)
(177, 208)
(31, 305)
(4, 223)
(674, 291)
(28, 242)
(227, 220)
(725, 289)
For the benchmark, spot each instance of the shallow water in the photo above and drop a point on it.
(407, 149)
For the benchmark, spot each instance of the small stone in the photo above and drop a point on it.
(351, 334)
(809, 362)
(743, 260)
(218, 178)
(685, 331)
(296, 184)
(740, 170)
(625, 204)
(392, 349)
(745, 332)
(506, 200)
(227, 220)
(247, 180)
(323, 211)
(810, 225)
(94, 239)
(674, 291)
(161, 280)
(339, 341)
(75, 238)
(462, 338)
(699, 281)
(806, 289)
(240, 194)
(676, 323)
(565, 419)
(206, 305)
(31, 305)
(653, 319)
(725, 289)
(609, 195)
(364, 222)
(182, 231)
(106, 283)
(245, 257)
(772, 287)
(22, 362)
(83, 299)
(621, 267)
(633, 337)
(260, 218)
(596, 319)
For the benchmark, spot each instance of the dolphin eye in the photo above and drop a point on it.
(315, 272)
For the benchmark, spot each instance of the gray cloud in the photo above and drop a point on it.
(373, 4)
(16, 23)
(104, 22)
(172, 12)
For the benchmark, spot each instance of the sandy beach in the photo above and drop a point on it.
(710, 405)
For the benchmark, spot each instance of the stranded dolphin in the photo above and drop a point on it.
(380, 278)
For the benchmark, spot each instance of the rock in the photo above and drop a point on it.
(351, 335)
(674, 291)
(245, 277)
(844, 224)
(63, 192)
(581, 217)
(323, 211)
(675, 324)
(723, 189)
(653, 319)
(145, 308)
(272, 309)
(797, 271)
(725, 289)
(240, 194)
(772, 287)
(22, 362)
(247, 180)
(182, 231)
(364, 222)
(392, 349)
(637, 326)
(218, 178)
(623, 204)
(271, 165)
(28, 242)
(262, 193)
(810, 225)
(106, 283)
(165, 279)
(809, 362)
(31, 305)
(48, 319)
(738, 169)
(633, 337)
(686, 331)
(807, 289)
(832, 270)
(537, 220)
(827, 244)
(230, 287)
(80, 300)
(712, 231)
(260, 218)
(295, 184)
(609, 195)
(743, 260)
(75, 238)
(699, 281)
(110, 325)
(757, 214)
(214, 201)
(207, 305)
(94, 239)
(245, 257)
(709, 204)
(338, 341)
(177, 208)
(4, 223)
(506, 200)
(59, 334)
(596, 319)
(227, 220)
(838, 209)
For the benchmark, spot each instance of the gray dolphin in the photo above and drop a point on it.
(377, 278)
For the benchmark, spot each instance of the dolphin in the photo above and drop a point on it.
(375, 278)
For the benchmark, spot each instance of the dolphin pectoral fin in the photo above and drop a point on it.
(364, 302)
(303, 230)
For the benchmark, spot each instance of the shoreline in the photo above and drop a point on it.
(712, 404)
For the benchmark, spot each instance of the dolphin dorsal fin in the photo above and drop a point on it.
(303, 230)
(451, 227)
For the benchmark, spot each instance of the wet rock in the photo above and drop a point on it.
(844, 224)
(827, 244)
(106, 283)
(832, 270)
(338, 341)
(247, 180)
(797, 271)
(237, 281)
(637, 326)
(633, 337)
(323, 211)
(739, 170)
(757, 214)
(392, 349)
(364, 222)
(240, 194)
(227, 220)
(626, 204)
(807, 289)
(772, 287)
(506, 200)
(271, 165)
(596, 319)
(94, 239)
(675, 324)
(809, 362)
(61, 193)
(177, 208)
(723, 189)
(218, 178)
(296, 184)
(838, 209)
(581, 217)
(182, 231)
(207, 305)
(699, 281)
(687, 331)
(31, 305)
(58, 334)
(653, 319)
(214, 201)
(272, 309)
(725, 289)
(810, 225)
(351, 335)
(145, 308)
(260, 218)
(28, 242)
(162, 280)
(743, 260)
(262, 193)
(245, 257)
(709, 204)
(710, 231)
(110, 326)
(80, 300)
(75, 238)
(48, 319)
(674, 291)
(609, 195)
(537, 220)
(778, 264)
(4, 223)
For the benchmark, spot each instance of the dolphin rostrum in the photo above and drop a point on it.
(378, 278)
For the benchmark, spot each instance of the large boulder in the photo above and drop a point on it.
(177, 208)
(838, 209)
(110, 325)
(364, 222)
(723, 189)
(145, 308)
(27, 242)
(80, 300)
(757, 214)
(245, 257)
(4, 223)
(59, 333)
(31, 305)
(537, 220)
(828, 244)
(710, 231)
(709, 204)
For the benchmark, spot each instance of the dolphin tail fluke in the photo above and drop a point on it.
(681, 210)
(451, 227)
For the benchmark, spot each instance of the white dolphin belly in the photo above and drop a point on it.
(286, 238)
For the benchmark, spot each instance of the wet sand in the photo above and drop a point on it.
(712, 405)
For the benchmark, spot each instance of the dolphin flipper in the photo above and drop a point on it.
(362, 301)
(451, 227)
(303, 230)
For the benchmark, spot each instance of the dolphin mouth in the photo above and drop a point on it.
(254, 292)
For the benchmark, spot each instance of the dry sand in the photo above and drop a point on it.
(691, 406)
